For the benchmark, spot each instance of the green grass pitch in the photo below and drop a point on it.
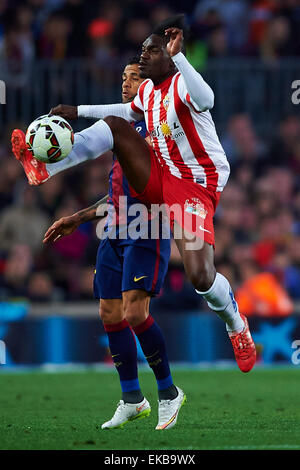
(225, 410)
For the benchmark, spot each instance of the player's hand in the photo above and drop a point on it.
(61, 228)
(64, 110)
(176, 40)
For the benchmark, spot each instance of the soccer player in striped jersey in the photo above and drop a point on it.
(185, 167)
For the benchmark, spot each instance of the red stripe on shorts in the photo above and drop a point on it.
(156, 267)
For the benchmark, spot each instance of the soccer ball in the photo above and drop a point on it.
(50, 138)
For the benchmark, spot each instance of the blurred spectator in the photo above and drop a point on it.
(52, 194)
(85, 283)
(232, 15)
(276, 41)
(241, 143)
(286, 140)
(15, 273)
(217, 45)
(136, 31)
(23, 222)
(54, 41)
(262, 294)
(261, 14)
(41, 289)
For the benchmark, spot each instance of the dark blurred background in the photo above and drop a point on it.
(73, 51)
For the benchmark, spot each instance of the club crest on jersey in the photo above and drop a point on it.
(194, 206)
(166, 102)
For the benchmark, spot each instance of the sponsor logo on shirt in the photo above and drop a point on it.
(168, 131)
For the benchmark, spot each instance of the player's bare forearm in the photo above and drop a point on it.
(67, 225)
(90, 213)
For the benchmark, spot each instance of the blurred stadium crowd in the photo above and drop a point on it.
(109, 29)
(257, 221)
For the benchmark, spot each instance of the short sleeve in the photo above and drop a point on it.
(137, 105)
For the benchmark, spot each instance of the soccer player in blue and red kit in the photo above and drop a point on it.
(128, 272)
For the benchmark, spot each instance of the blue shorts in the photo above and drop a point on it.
(124, 265)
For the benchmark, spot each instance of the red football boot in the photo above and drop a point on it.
(243, 347)
(35, 170)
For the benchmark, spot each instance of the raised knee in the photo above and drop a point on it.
(114, 122)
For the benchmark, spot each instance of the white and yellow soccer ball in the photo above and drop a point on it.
(50, 138)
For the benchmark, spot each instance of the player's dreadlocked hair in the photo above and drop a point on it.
(176, 21)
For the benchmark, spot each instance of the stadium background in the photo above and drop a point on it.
(71, 51)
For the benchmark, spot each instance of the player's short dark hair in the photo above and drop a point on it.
(133, 60)
(176, 21)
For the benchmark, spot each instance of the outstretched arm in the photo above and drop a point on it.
(200, 92)
(100, 111)
(97, 111)
(67, 225)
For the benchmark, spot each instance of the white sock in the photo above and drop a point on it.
(88, 145)
(220, 298)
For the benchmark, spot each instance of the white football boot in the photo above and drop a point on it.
(168, 410)
(126, 412)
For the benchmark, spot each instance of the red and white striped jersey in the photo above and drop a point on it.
(183, 138)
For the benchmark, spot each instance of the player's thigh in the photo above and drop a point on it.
(198, 261)
(192, 209)
(136, 306)
(145, 265)
(111, 311)
(108, 272)
(132, 151)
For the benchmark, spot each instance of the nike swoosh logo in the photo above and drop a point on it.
(136, 279)
(139, 408)
(204, 229)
